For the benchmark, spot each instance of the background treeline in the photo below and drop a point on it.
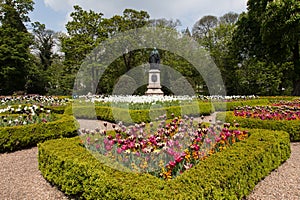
(257, 51)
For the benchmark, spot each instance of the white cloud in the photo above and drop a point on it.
(188, 11)
(58, 5)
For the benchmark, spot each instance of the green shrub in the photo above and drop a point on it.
(25, 136)
(114, 114)
(230, 174)
(230, 105)
(57, 109)
(290, 126)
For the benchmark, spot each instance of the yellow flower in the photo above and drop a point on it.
(167, 175)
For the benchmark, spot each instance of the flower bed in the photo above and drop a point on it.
(165, 151)
(290, 126)
(34, 99)
(229, 174)
(19, 115)
(269, 112)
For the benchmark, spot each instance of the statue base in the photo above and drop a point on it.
(154, 87)
(154, 91)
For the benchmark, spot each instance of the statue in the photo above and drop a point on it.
(154, 87)
(154, 59)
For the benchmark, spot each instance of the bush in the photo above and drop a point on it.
(231, 105)
(113, 114)
(290, 126)
(229, 174)
(25, 136)
(57, 109)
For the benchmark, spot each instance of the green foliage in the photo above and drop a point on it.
(290, 126)
(280, 33)
(133, 114)
(20, 137)
(267, 39)
(114, 114)
(229, 174)
(261, 78)
(231, 105)
(15, 57)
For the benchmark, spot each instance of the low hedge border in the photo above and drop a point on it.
(290, 126)
(230, 174)
(137, 116)
(26, 136)
(231, 105)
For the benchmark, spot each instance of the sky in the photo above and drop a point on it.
(56, 13)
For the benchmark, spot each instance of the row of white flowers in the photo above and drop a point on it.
(45, 100)
(135, 99)
(156, 98)
(26, 109)
(233, 97)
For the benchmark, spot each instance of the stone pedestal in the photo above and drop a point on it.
(154, 87)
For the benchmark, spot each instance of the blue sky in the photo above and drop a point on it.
(55, 13)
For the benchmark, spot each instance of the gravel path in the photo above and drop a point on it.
(282, 183)
(21, 179)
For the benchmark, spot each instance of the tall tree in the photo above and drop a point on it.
(85, 31)
(269, 33)
(281, 34)
(215, 35)
(203, 26)
(165, 23)
(44, 41)
(15, 40)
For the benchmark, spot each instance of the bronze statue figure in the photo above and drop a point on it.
(154, 59)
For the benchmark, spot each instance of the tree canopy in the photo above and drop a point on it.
(257, 52)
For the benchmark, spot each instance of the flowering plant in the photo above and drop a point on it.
(275, 112)
(33, 99)
(23, 115)
(164, 151)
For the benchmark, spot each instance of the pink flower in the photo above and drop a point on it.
(108, 147)
(119, 150)
(195, 147)
(172, 164)
(208, 141)
(218, 139)
(188, 166)
(88, 139)
(178, 159)
(131, 145)
(124, 147)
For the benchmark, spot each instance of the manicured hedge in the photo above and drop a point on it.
(230, 105)
(57, 109)
(230, 174)
(137, 116)
(25, 136)
(290, 126)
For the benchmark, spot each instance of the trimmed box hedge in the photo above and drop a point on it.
(290, 126)
(26, 136)
(113, 114)
(230, 174)
(231, 105)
